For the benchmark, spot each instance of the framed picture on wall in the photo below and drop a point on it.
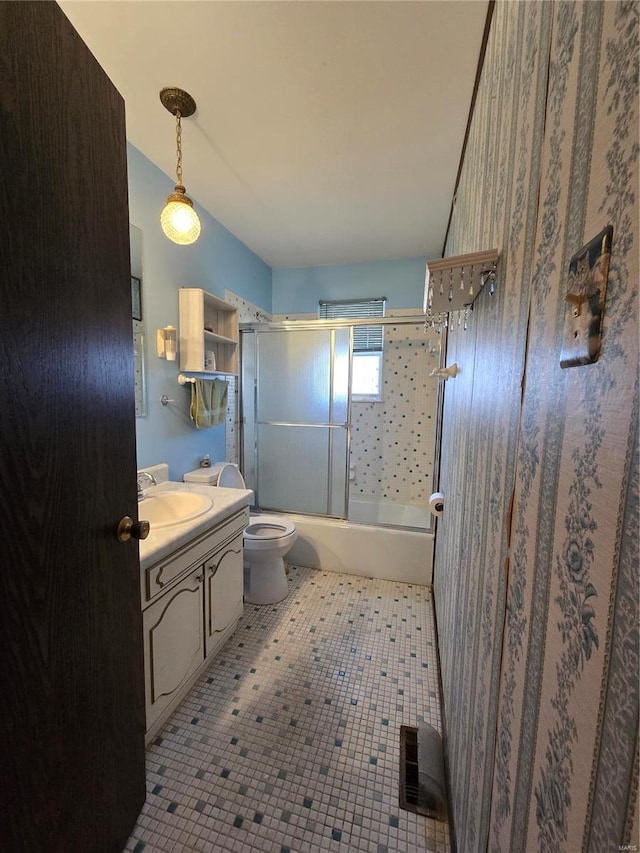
(136, 298)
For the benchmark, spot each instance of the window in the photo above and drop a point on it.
(366, 378)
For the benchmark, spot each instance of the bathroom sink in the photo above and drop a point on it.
(163, 509)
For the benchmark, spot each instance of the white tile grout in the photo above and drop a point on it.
(290, 740)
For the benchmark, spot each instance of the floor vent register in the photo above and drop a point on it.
(422, 781)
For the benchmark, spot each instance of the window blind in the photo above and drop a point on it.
(365, 338)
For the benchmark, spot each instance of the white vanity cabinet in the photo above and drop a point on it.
(223, 589)
(192, 601)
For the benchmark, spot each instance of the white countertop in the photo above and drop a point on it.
(163, 541)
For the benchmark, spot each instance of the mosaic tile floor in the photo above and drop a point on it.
(289, 742)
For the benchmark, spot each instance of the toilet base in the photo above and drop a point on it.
(265, 581)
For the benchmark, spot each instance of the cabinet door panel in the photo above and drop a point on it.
(224, 589)
(174, 642)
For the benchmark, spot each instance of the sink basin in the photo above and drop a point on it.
(163, 509)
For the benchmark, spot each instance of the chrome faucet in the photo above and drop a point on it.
(144, 477)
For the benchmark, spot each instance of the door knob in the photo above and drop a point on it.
(128, 528)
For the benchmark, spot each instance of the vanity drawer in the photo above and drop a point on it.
(158, 578)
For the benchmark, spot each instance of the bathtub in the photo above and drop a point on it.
(362, 549)
(387, 512)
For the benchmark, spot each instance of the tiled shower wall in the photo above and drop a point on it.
(393, 441)
(536, 570)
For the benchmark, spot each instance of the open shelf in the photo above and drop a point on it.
(197, 310)
(214, 338)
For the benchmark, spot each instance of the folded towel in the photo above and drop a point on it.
(209, 402)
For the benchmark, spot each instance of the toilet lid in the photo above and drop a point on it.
(268, 527)
(219, 474)
(230, 478)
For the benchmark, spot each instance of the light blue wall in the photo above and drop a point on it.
(217, 261)
(297, 290)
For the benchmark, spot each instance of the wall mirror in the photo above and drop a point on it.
(137, 318)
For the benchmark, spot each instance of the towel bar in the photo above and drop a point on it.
(185, 380)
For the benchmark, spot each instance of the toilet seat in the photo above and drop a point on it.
(264, 528)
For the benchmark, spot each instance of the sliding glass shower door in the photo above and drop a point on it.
(296, 419)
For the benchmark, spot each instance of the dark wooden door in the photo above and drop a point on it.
(71, 672)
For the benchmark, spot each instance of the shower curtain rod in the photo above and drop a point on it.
(280, 325)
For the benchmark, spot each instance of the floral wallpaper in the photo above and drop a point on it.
(536, 568)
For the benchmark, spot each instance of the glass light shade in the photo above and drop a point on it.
(179, 220)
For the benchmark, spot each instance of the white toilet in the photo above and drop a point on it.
(266, 540)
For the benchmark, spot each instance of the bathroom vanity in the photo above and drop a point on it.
(192, 595)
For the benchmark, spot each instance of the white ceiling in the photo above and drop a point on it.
(326, 132)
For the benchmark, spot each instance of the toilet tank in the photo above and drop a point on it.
(224, 474)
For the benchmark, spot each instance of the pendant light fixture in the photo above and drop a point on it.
(178, 219)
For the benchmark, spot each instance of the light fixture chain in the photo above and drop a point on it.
(179, 219)
(179, 148)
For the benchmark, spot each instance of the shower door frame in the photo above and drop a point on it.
(248, 401)
(251, 470)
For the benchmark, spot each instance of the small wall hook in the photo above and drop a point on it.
(445, 372)
(166, 400)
